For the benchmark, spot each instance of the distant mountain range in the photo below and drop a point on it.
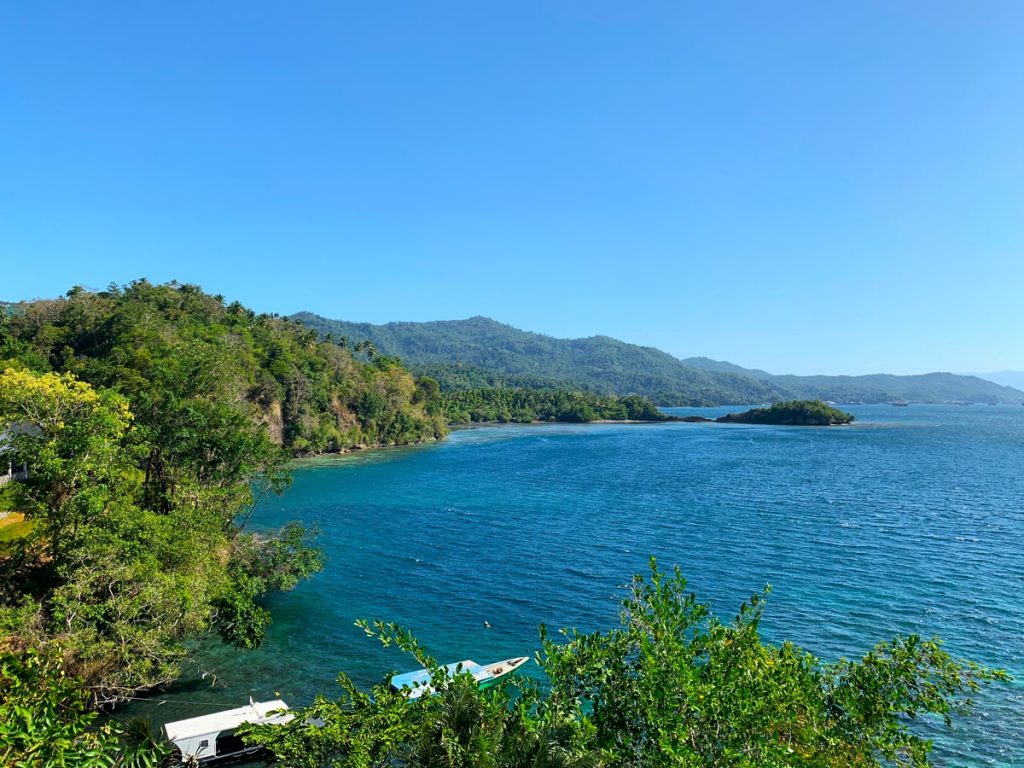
(1006, 378)
(483, 352)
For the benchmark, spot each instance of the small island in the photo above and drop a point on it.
(804, 413)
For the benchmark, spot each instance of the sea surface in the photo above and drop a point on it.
(909, 521)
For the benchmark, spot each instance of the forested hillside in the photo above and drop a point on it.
(524, 405)
(172, 350)
(879, 387)
(464, 354)
(150, 419)
(599, 364)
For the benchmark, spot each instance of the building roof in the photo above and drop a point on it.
(16, 428)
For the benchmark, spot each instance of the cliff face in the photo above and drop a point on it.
(274, 419)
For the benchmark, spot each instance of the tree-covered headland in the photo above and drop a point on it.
(180, 355)
(804, 413)
(151, 418)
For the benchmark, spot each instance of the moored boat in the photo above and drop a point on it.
(211, 738)
(419, 683)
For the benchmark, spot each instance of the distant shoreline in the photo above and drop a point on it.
(463, 426)
(543, 423)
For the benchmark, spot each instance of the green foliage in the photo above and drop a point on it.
(479, 352)
(507, 726)
(152, 417)
(45, 722)
(71, 436)
(214, 388)
(454, 376)
(813, 413)
(672, 685)
(134, 538)
(262, 564)
(526, 405)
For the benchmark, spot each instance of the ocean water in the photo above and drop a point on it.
(909, 521)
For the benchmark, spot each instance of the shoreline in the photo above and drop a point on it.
(462, 426)
(358, 449)
(542, 423)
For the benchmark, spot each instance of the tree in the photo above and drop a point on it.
(674, 686)
(71, 436)
(109, 583)
(368, 347)
(45, 722)
(671, 685)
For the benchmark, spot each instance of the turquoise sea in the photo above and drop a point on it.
(911, 520)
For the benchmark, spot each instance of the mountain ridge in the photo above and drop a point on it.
(480, 347)
(1014, 379)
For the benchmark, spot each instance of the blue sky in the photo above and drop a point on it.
(802, 187)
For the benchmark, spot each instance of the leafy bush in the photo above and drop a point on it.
(45, 722)
(672, 685)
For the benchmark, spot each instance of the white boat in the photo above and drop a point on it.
(210, 738)
(418, 683)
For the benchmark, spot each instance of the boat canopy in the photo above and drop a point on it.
(418, 681)
(197, 736)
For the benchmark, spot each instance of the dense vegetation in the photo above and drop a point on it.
(453, 377)
(468, 351)
(598, 364)
(151, 418)
(46, 722)
(526, 405)
(171, 349)
(122, 564)
(806, 413)
(670, 686)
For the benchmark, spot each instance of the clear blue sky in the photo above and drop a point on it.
(802, 187)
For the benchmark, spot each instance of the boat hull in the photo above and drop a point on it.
(419, 683)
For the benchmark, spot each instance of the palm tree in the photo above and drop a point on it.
(367, 346)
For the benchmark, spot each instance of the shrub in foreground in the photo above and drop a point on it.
(671, 685)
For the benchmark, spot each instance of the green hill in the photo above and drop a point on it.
(463, 354)
(804, 413)
(878, 387)
(175, 352)
(483, 347)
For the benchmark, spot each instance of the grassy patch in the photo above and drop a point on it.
(14, 526)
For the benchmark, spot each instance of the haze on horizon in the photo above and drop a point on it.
(800, 189)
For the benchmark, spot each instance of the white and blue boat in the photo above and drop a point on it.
(211, 738)
(419, 683)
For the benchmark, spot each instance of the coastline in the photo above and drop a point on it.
(363, 448)
(461, 426)
(542, 423)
